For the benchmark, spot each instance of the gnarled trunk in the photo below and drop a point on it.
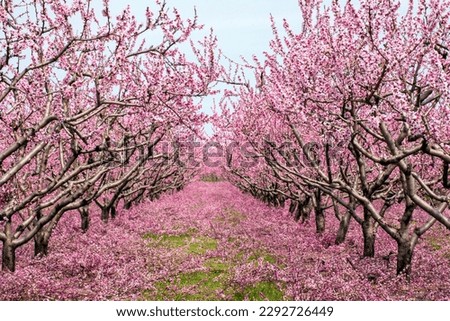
(343, 228)
(404, 257)
(298, 213)
(9, 250)
(84, 214)
(8, 257)
(127, 205)
(320, 221)
(41, 240)
(319, 211)
(292, 207)
(105, 214)
(112, 211)
(369, 234)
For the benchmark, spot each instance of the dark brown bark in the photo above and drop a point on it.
(127, 205)
(305, 212)
(302, 209)
(319, 211)
(292, 207)
(41, 240)
(134, 199)
(343, 228)
(42, 237)
(404, 257)
(320, 221)
(8, 257)
(8, 250)
(445, 175)
(368, 227)
(105, 214)
(298, 214)
(84, 214)
(112, 211)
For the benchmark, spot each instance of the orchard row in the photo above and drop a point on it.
(350, 117)
(86, 100)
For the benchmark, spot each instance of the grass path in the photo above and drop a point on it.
(212, 242)
(206, 242)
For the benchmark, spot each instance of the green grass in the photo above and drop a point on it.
(202, 245)
(205, 284)
(169, 240)
(216, 265)
(435, 243)
(265, 290)
(194, 244)
(265, 256)
(214, 281)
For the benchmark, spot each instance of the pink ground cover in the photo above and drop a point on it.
(115, 262)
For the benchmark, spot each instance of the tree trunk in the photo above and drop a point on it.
(113, 212)
(292, 207)
(127, 205)
(343, 228)
(404, 257)
(320, 220)
(140, 197)
(282, 202)
(84, 213)
(302, 209)
(298, 213)
(368, 227)
(42, 238)
(8, 257)
(305, 211)
(41, 243)
(105, 214)
(134, 199)
(319, 211)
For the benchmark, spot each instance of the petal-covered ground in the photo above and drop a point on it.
(211, 242)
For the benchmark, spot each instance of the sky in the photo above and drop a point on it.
(242, 26)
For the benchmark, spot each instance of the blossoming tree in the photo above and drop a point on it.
(87, 102)
(360, 98)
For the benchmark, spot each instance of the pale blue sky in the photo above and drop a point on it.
(242, 26)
